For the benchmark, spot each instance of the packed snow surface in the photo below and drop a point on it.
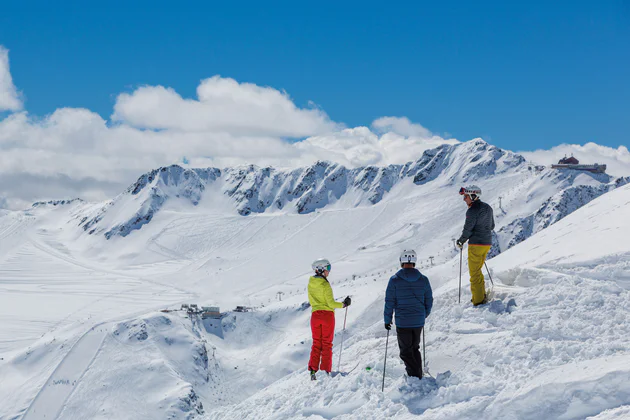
(81, 335)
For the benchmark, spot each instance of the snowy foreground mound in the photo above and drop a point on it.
(562, 352)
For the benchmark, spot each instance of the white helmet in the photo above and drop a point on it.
(408, 256)
(470, 190)
(321, 264)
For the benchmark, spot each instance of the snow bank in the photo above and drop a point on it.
(572, 391)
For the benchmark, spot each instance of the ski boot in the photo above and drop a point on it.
(483, 302)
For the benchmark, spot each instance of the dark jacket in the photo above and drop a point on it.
(479, 224)
(408, 294)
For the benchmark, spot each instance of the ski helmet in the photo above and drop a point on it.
(320, 265)
(408, 256)
(471, 190)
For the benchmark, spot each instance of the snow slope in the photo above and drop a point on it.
(592, 242)
(50, 400)
(50, 298)
(562, 352)
(179, 235)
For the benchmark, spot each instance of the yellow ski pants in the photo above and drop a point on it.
(476, 257)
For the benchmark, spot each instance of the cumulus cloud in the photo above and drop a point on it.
(400, 125)
(79, 143)
(616, 159)
(9, 98)
(223, 105)
(362, 146)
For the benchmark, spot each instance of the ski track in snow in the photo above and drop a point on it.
(51, 398)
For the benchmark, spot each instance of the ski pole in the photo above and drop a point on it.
(342, 334)
(385, 361)
(461, 256)
(424, 352)
(489, 273)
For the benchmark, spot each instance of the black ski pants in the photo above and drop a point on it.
(409, 344)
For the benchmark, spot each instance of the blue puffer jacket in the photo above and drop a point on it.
(409, 294)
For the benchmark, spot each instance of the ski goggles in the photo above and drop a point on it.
(324, 268)
(462, 191)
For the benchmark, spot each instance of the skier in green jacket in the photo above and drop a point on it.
(323, 305)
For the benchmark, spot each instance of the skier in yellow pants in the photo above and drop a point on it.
(478, 232)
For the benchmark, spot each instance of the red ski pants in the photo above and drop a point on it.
(323, 328)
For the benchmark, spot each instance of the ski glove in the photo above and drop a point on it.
(459, 244)
(347, 301)
(388, 327)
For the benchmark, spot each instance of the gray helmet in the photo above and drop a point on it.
(408, 256)
(320, 265)
(471, 190)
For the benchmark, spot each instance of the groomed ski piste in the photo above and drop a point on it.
(82, 335)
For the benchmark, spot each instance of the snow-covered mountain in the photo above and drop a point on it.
(251, 189)
(570, 197)
(83, 283)
(303, 190)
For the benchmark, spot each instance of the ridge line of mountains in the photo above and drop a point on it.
(251, 189)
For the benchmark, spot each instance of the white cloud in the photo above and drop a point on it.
(223, 105)
(361, 146)
(401, 126)
(9, 97)
(78, 143)
(617, 160)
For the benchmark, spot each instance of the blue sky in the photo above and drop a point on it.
(522, 75)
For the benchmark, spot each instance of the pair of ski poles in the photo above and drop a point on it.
(461, 256)
(424, 356)
(424, 350)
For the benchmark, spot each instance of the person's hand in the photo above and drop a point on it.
(459, 244)
(347, 301)
(388, 327)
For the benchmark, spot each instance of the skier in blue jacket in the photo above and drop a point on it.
(408, 294)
